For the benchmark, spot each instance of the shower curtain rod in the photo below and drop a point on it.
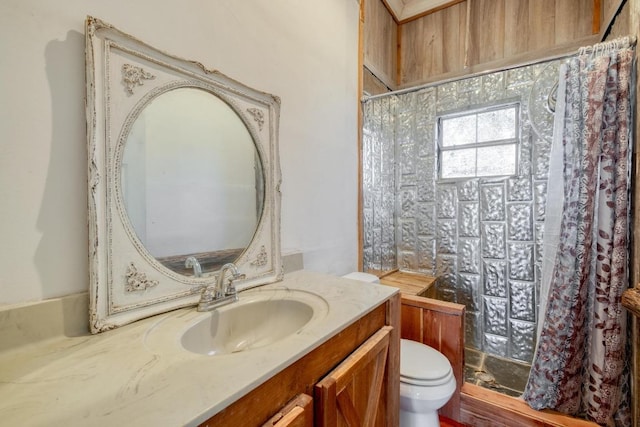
(631, 41)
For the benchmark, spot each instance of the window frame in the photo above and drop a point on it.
(440, 148)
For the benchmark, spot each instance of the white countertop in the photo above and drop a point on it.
(126, 377)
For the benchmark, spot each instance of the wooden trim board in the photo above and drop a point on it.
(359, 141)
(480, 407)
(410, 283)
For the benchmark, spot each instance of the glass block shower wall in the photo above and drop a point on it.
(482, 237)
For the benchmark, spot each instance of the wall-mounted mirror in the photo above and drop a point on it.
(183, 178)
(192, 182)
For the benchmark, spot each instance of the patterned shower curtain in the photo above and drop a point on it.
(581, 363)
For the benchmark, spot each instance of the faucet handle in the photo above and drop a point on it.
(237, 276)
(207, 294)
(231, 288)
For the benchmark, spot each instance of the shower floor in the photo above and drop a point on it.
(495, 373)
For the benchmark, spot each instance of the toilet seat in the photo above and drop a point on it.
(423, 365)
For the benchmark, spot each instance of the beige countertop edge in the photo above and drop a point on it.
(119, 378)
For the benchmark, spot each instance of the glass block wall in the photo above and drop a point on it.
(482, 237)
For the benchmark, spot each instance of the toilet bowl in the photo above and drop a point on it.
(426, 384)
(426, 378)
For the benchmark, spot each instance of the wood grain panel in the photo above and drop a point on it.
(411, 323)
(297, 413)
(443, 45)
(506, 63)
(516, 22)
(443, 336)
(609, 7)
(371, 85)
(433, 304)
(433, 44)
(391, 394)
(617, 25)
(410, 283)
(481, 407)
(597, 16)
(349, 395)
(486, 30)
(380, 42)
(432, 33)
(573, 19)
(445, 332)
(541, 32)
(415, 52)
(455, 33)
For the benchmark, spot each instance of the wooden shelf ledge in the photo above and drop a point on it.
(631, 300)
(409, 283)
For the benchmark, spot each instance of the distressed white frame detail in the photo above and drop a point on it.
(113, 245)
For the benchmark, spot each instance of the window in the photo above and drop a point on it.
(479, 143)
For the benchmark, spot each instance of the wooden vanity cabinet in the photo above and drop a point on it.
(269, 399)
(351, 394)
(297, 413)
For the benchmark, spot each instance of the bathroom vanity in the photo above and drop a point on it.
(140, 374)
(367, 348)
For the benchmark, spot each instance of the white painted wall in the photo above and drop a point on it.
(305, 52)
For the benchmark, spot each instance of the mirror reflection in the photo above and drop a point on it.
(191, 181)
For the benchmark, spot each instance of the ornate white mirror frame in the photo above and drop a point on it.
(123, 77)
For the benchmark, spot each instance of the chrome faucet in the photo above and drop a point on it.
(193, 262)
(221, 293)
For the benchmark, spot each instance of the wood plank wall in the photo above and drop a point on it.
(371, 85)
(380, 42)
(620, 24)
(433, 45)
(472, 36)
(494, 30)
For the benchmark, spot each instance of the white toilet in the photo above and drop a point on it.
(426, 378)
(426, 384)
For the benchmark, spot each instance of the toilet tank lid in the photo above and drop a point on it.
(362, 277)
(421, 362)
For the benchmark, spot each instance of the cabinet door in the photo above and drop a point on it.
(351, 395)
(297, 413)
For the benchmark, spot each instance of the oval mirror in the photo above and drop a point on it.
(191, 181)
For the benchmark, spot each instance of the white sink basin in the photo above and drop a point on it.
(260, 318)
